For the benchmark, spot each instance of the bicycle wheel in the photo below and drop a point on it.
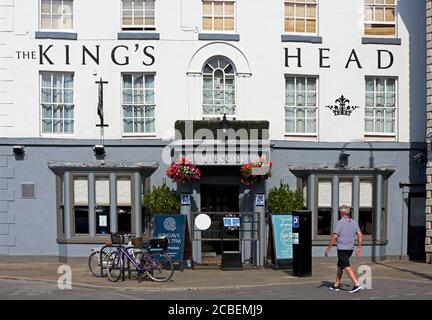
(94, 263)
(114, 266)
(139, 256)
(159, 267)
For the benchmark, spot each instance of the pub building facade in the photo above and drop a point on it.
(339, 88)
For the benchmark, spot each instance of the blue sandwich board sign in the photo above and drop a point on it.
(282, 236)
(173, 227)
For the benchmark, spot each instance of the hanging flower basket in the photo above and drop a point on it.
(182, 171)
(254, 172)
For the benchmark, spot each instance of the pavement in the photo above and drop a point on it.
(20, 276)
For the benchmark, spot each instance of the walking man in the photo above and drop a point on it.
(344, 235)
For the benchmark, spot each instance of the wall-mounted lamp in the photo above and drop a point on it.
(99, 149)
(18, 150)
(343, 159)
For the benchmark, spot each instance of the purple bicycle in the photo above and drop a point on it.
(158, 266)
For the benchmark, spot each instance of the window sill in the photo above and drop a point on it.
(62, 35)
(300, 38)
(301, 136)
(379, 40)
(366, 242)
(133, 35)
(84, 240)
(219, 36)
(379, 137)
(139, 135)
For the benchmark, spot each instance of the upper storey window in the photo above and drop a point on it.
(56, 15)
(301, 16)
(218, 16)
(138, 15)
(380, 18)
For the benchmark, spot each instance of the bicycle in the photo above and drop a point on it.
(158, 266)
(98, 256)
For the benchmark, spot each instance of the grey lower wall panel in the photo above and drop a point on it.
(31, 219)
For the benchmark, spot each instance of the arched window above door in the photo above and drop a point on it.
(219, 96)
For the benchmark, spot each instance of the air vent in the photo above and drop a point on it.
(28, 190)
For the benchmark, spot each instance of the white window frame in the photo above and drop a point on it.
(396, 107)
(137, 27)
(215, 115)
(41, 117)
(372, 22)
(296, 2)
(296, 133)
(138, 134)
(234, 16)
(51, 13)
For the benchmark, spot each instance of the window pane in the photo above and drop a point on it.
(311, 84)
(127, 18)
(124, 196)
(289, 10)
(229, 24)
(80, 191)
(366, 221)
(289, 25)
(102, 191)
(207, 23)
(311, 11)
(207, 8)
(124, 219)
(310, 26)
(81, 220)
(67, 7)
(325, 193)
(300, 26)
(218, 23)
(366, 194)
(369, 13)
(345, 193)
(370, 99)
(389, 14)
(46, 6)
(102, 220)
(300, 11)
(324, 221)
(149, 125)
(45, 21)
(290, 125)
(229, 9)
(218, 8)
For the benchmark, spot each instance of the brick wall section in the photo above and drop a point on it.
(428, 240)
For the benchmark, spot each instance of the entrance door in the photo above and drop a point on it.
(218, 198)
(417, 227)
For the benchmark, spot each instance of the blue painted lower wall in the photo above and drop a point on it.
(29, 227)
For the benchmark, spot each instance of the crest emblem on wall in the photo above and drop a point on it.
(342, 107)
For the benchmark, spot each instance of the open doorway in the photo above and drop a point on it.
(219, 198)
(417, 227)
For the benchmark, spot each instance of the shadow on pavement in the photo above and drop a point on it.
(417, 274)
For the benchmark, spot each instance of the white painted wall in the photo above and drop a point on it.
(259, 51)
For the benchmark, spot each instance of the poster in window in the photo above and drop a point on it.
(103, 221)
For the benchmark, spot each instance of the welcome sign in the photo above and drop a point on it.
(173, 227)
(282, 236)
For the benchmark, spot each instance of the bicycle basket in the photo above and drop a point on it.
(159, 243)
(117, 238)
